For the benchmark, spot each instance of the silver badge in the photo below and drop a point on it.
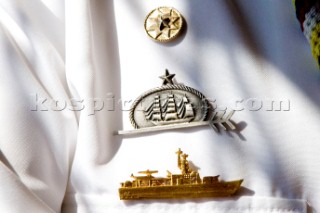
(174, 106)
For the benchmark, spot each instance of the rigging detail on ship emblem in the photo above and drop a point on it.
(187, 184)
(174, 106)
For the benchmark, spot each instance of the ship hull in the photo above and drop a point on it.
(218, 189)
(160, 123)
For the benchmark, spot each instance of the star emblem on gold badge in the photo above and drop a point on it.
(163, 24)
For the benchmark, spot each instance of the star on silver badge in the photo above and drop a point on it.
(174, 106)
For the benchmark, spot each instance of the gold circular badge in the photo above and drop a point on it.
(163, 24)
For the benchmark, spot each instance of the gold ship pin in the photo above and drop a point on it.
(174, 106)
(188, 184)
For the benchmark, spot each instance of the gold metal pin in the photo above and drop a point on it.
(188, 184)
(163, 24)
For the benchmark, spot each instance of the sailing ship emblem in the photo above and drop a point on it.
(169, 112)
(174, 106)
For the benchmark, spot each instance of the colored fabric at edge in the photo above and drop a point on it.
(308, 14)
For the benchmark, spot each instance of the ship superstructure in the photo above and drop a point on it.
(187, 184)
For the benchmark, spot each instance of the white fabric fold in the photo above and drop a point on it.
(105, 203)
(69, 71)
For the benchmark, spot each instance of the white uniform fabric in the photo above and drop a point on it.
(60, 60)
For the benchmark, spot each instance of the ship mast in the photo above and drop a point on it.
(171, 111)
(156, 109)
(179, 152)
(188, 108)
(183, 163)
